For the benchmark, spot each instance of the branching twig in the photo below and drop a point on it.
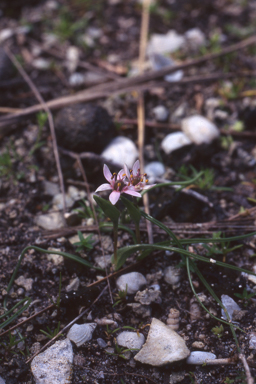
(45, 107)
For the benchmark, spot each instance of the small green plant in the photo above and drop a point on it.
(84, 243)
(12, 343)
(205, 181)
(218, 331)
(245, 296)
(213, 46)
(51, 334)
(222, 248)
(120, 351)
(226, 142)
(41, 121)
(228, 380)
(120, 296)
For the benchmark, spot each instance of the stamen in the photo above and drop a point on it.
(146, 180)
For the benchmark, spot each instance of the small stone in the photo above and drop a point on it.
(154, 170)
(133, 281)
(161, 113)
(163, 346)
(148, 296)
(76, 79)
(172, 276)
(121, 150)
(81, 333)
(238, 315)
(200, 357)
(198, 345)
(174, 141)
(252, 340)
(230, 306)
(140, 310)
(84, 127)
(170, 42)
(25, 283)
(199, 129)
(103, 261)
(130, 340)
(50, 189)
(73, 285)
(72, 57)
(41, 64)
(2, 381)
(102, 343)
(54, 365)
(159, 61)
(50, 221)
(195, 38)
(56, 259)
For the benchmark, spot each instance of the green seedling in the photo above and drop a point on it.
(222, 248)
(120, 351)
(205, 181)
(245, 296)
(41, 121)
(12, 343)
(85, 243)
(109, 332)
(121, 296)
(228, 380)
(218, 331)
(51, 334)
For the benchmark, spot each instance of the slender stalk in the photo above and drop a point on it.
(115, 230)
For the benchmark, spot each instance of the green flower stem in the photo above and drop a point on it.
(115, 230)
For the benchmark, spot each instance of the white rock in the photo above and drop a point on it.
(252, 340)
(159, 61)
(161, 113)
(200, 357)
(50, 188)
(103, 261)
(148, 296)
(2, 381)
(54, 366)
(230, 306)
(163, 346)
(154, 170)
(174, 141)
(139, 309)
(41, 63)
(72, 57)
(49, 221)
(121, 150)
(73, 285)
(25, 283)
(56, 259)
(130, 340)
(76, 79)
(195, 38)
(5, 34)
(80, 333)
(168, 43)
(199, 129)
(172, 276)
(133, 280)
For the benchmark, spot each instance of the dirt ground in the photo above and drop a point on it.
(106, 34)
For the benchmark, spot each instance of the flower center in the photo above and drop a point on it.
(119, 185)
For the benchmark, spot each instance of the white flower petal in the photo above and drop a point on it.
(107, 173)
(103, 187)
(114, 197)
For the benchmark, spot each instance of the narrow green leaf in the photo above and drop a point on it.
(109, 209)
(133, 211)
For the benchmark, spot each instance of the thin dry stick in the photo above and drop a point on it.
(28, 319)
(140, 106)
(67, 326)
(96, 220)
(249, 377)
(49, 115)
(121, 85)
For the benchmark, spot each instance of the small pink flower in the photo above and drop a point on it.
(118, 185)
(135, 178)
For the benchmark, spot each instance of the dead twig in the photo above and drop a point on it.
(49, 115)
(67, 326)
(124, 85)
(249, 377)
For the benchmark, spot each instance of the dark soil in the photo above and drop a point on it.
(27, 161)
